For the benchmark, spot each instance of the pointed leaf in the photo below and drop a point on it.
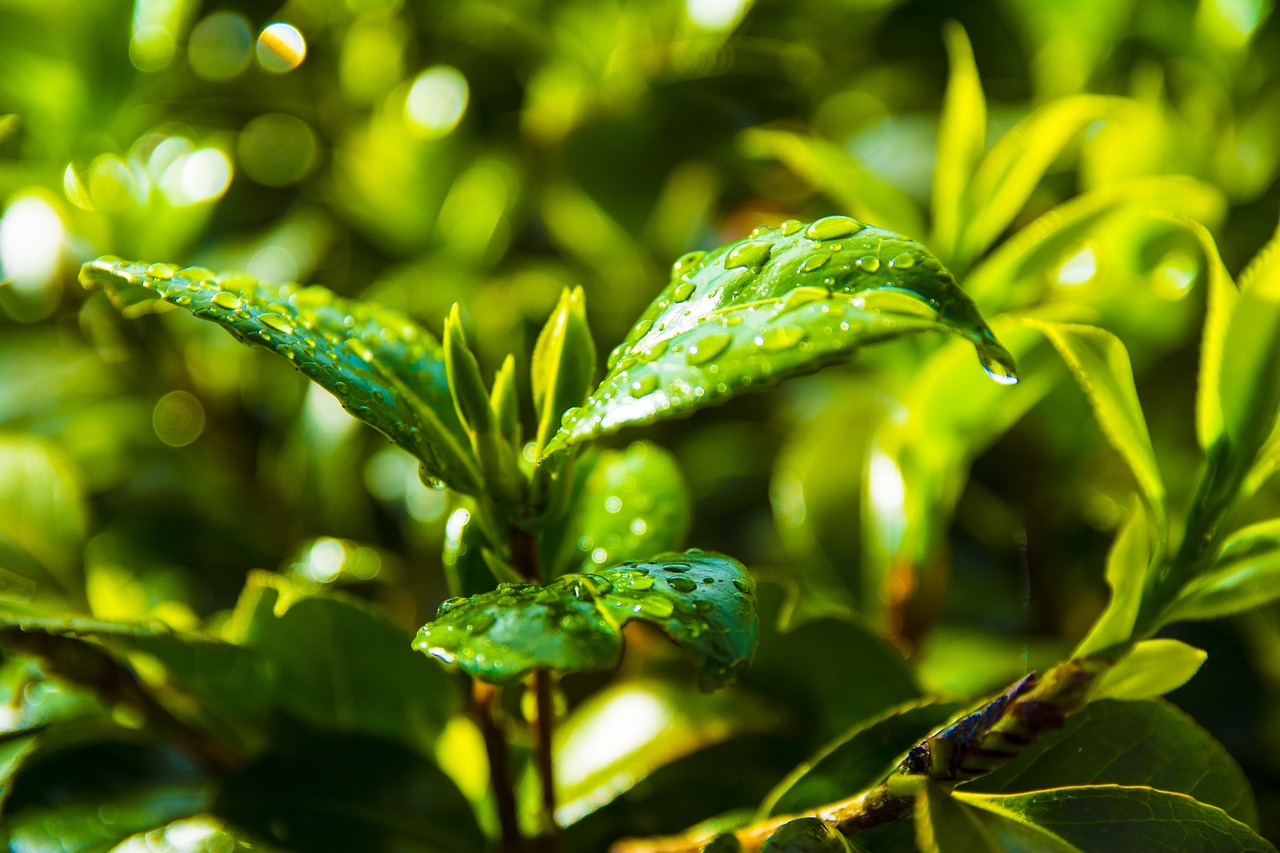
(1109, 817)
(564, 364)
(1221, 303)
(384, 369)
(962, 136)
(1246, 575)
(1127, 564)
(1152, 668)
(784, 301)
(947, 824)
(806, 835)
(704, 602)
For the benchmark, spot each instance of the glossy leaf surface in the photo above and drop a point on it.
(1151, 668)
(382, 367)
(1127, 564)
(704, 602)
(806, 835)
(946, 824)
(1246, 575)
(783, 301)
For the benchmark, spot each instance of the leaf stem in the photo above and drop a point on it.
(543, 684)
(484, 698)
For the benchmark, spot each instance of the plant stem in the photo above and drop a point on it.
(484, 698)
(543, 684)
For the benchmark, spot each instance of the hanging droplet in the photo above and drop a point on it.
(780, 338)
(643, 386)
(748, 255)
(998, 366)
(814, 262)
(831, 227)
(708, 347)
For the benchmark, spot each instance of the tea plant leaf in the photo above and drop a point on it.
(1246, 575)
(1151, 668)
(383, 368)
(947, 824)
(1100, 364)
(962, 136)
(1221, 302)
(1110, 817)
(1127, 565)
(1144, 742)
(704, 602)
(783, 301)
(858, 759)
(806, 835)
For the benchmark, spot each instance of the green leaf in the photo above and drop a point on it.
(619, 736)
(470, 397)
(962, 136)
(629, 503)
(806, 835)
(1151, 668)
(783, 301)
(1245, 575)
(704, 602)
(946, 823)
(858, 759)
(1100, 364)
(341, 793)
(1145, 743)
(564, 364)
(1109, 817)
(42, 510)
(383, 368)
(1127, 565)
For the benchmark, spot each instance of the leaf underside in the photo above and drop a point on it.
(705, 602)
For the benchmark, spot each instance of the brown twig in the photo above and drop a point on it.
(484, 700)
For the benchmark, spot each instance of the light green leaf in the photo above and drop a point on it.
(1143, 742)
(564, 364)
(383, 368)
(628, 503)
(704, 602)
(781, 302)
(1127, 565)
(947, 823)
(806, 835)
(1100, 364)
(1152, 668)
(858, 759)
(1245, 575)
(1110, 817)
(42, 511)
(962, 136)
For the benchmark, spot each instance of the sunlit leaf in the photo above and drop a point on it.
(1127, 565)
(962, 136)
(704, 602)
(781, 302)
(42, 509)
(1246, 575)
(383, 368)
(1152, 668)
(945, 823)
(806, 835)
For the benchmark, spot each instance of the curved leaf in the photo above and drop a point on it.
(1127, 564)
(383, 368)
(704, 602)
(947, 824)
(806, 835)
(1151, 668)
(781, 302)
(1246, 575)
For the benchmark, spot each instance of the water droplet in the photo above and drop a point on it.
(642, 328)
(814, 262)
(678, 568)
(163, 271)
(780, 338)
(708, 347)
(831, 227)
(801, 296)
(683, 292)
(999, 367)
(680, 584)
(640, 582)
(687, 264)
(749, 255)
(790, 227)
(481, 623)
(741, 586)
(904, 261)
(869, 263)
(197, 273)
(643, 386)
(225, 299)
(275, 321)
(731, 319)
(656, 607)
(448, 604)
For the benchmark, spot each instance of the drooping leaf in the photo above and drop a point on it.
(1151, 668)
(806, 835)
(42, 511)
(1246, 575)
(1110, 817)
(704, 602)
(783, 301)
(1127, 564)
(1145, 743)
(947, 824)
(1101, 365)
(383, 368)
(857, 759)
(962, 136)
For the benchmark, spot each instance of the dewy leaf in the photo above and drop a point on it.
(1127, 565)
(1100, 364)
(1246, 575)
(781, 302)
(962, 135)
(1152, 668)
(1110, 817)
(383, 368)
(704, 602)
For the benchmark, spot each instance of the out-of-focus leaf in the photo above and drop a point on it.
(836, 172)
(1100, 364)
(704, 602)
(783, 301)
(198, 834)
(1246, 575)
(1145, 742)
(42, 509)
(632, 502)
(1127, 565)
(383, 368)
(946, 824)
(1110, 817)
(857, 759)
(620, 735)
(806, 835)
(962, 136)
(343, 792)
(1151, 668)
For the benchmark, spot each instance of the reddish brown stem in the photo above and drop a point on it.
(542, 683)
(484, 698)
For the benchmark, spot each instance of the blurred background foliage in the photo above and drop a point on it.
(491, 152)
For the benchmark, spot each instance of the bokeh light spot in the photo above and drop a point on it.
(277, 149)
(151, 48)
(31, 235)
(437, 100)
(178, 418)
(220, 46)
(281, 47)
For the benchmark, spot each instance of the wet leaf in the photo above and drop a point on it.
(1151, 668)
(382, 367)
(1127, 565)
(704, 602)
(806, 835)
(1246, 575)
(781, 302)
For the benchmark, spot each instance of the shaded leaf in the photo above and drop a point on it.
(383, 368)
(1151, 668)
(704, 602)
(1127, 564)
(781, 302)
(42, 510)
(944, 824)
(1245, 575)
(962, 136)
(806, 835)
